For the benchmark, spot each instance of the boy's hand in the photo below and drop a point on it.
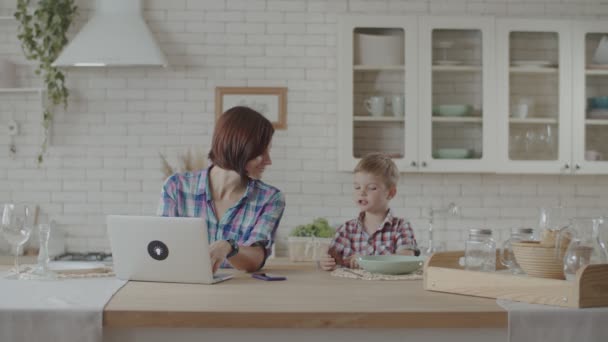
(327, 263)
(352, 261)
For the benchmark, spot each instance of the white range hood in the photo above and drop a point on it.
(116, 35)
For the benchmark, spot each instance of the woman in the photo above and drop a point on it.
(241, 211)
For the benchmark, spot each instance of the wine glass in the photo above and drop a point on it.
(16, 230)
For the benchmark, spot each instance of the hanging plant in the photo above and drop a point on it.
(42, 31)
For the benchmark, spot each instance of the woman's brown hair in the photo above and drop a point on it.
(240, 135)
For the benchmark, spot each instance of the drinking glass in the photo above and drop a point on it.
(16, 230)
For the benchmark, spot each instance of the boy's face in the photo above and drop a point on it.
(371, 193)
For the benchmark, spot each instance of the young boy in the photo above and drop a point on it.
(376, 231)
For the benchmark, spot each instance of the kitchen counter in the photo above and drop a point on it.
(310, 298)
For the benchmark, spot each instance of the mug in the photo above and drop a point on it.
(520, 110)
(375, 105)
(398, 105)
(593, 155)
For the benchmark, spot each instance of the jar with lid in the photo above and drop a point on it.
(480, 251)
(507, 258)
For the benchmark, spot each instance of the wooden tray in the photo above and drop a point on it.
(590, 289)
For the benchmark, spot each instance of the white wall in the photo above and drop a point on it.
(104, 153)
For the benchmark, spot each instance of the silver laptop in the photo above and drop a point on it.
(163, 249)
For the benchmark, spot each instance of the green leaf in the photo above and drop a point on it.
(43, 35)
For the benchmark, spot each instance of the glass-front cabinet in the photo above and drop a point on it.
(474, 94)
(378, 78)
(419, 89)
(456, 56)
(590, 108)
(534, 95)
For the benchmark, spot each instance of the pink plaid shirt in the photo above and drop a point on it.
(393, 234)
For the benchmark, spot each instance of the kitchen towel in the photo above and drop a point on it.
(58, 310)
(536, 322)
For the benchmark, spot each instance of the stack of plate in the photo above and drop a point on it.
(532, 64)
(598, 114)
(452, 110)
(453, 153)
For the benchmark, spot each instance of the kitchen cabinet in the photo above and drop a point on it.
(370, 74)
(444, 75)
(481, 95)
(590, 98)
(534, 95)
(456, 94)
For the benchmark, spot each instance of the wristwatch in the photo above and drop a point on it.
(234, 248)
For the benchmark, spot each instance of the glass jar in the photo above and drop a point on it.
(480, 251)
(506, 254)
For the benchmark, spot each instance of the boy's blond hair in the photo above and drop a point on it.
(379, 165)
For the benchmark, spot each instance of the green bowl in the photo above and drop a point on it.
(390, 264)
(452, 153)
(452, 110)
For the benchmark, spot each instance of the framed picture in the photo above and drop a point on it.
(270, 102)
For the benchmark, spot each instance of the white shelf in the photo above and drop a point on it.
(361, 118)
(596, 72)
(596, 122)
(534, 121)
(456, 68)
(533, 70)
(7, 17)
(457, 119)
(20, 90)
(378, 67)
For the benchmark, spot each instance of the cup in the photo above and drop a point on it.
(397, 105)
(593, 155)
(520, 110)
(375, 105)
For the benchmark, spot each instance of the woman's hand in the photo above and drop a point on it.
(217, 252)
(327, 263)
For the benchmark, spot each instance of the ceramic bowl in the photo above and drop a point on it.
(539, 260)
(390, 264)
(452, 110)
(452, 153)
(599, 102)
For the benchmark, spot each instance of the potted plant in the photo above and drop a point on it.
(42, 31)
(308, 242)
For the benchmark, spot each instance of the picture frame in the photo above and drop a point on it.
(268, 101)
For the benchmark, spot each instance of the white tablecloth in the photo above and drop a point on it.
(62, 310)
(535, 322)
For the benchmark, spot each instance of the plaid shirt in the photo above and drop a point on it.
(253, 219)
(393, 234)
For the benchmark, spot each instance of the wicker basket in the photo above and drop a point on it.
(307, 248)
(538, 260)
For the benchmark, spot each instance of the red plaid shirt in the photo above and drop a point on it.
(393, 234)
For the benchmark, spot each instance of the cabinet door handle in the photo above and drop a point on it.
(423, 164)
(413, 164)
(578, 167)
(567, 166)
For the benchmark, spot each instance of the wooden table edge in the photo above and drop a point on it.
(389, 320)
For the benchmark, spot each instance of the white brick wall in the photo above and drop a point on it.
(104, 153)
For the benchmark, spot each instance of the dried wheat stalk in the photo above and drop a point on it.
(189, 162)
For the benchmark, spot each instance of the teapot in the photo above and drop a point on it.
(585, 245)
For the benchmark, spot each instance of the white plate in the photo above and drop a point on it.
(538, 64)
(597, 66)
(446, 62)
(598, 114)
(76, 266)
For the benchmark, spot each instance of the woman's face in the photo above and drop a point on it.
(256, 166)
